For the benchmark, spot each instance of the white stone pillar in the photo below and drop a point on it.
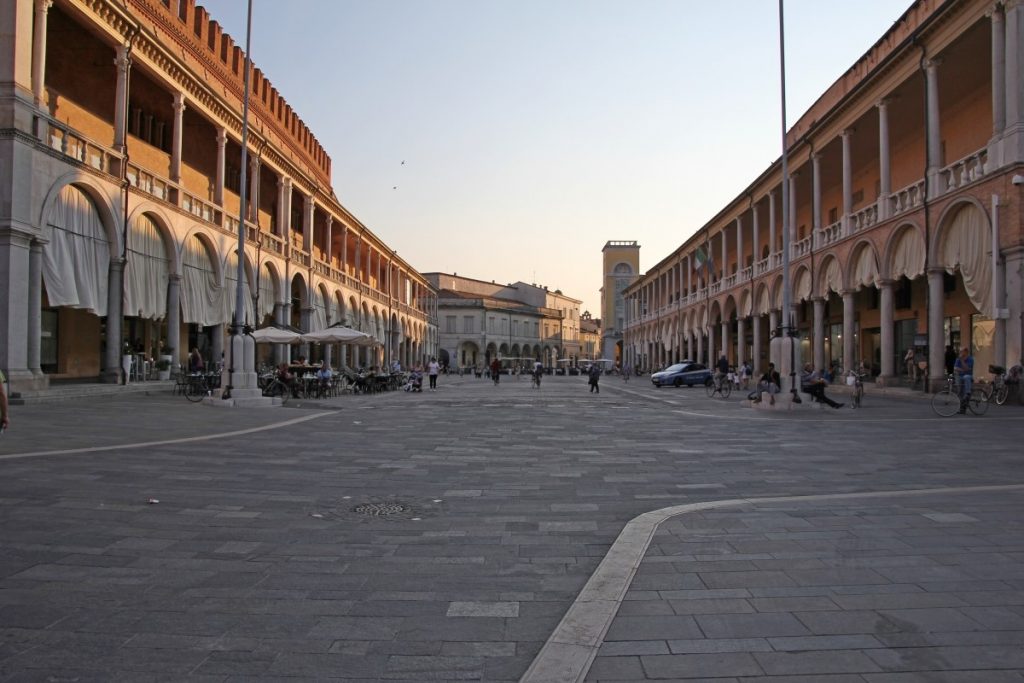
(177, 131)
(700, 348)
(884, 160)
(1013, 131)
(934, 142)
(741, 341)
(792, 208)
(772, 237)
(344, 248)
(818, 333)
(725, 253)
(222, 150)
(847, 179)
(726, 338)
(42, 8)
(936, 347)
(216, 344)
(174, 319)
(773, 322)
(998, 21)
(849, 350)
(123, 62)
(35, 304)
(888, 331)
(328, 238)
(1014, 277)
(308, 209)
(282, 201)
(816, 198)
(254, 189)
(712, 346)
(740, 263)
(755, 360)
(112, 358)
(755, 242)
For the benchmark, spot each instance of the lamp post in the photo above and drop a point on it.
(240, 380)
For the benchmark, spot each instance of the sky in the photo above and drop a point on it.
(534, 131)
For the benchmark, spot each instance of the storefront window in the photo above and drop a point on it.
(982, 334)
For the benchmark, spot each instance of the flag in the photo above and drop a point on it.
(704, 261)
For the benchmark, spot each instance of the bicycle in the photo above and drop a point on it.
(718, 385)
(948, 402)
(535, 379)
(858, 389)
(197, 388)
(1000, 388)
(275, 388)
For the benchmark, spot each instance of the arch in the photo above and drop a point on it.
(964, 243)
(745, 305)
(147, 268)
(97, 193)
(340, 314)
(762, 299)
(802, 284)
(862, 270)
(268, 290)
(201, 291)
(904, 253)
(729, 307)
(830, 277)
(320, 314)
(622, 268)
(776, 290)
(714, 312)
(77, 255)
(159, 217)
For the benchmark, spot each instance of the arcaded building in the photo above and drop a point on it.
(517, 323)
(904, 220)
(120, 182)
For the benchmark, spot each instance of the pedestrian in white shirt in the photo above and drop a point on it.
(432, 369)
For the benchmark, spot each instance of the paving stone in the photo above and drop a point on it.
(701, 665)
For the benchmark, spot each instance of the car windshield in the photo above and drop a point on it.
(678, 367)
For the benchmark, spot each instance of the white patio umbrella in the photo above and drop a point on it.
(276, 335)
(336, 334)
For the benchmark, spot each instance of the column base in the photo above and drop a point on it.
(110, 376)
(27, 380)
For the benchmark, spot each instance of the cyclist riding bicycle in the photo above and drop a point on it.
(963, 368)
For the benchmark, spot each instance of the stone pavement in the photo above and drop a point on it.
(494, 506)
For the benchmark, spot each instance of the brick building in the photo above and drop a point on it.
(98, 96)
(904, 222)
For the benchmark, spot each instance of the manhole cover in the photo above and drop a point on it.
(381, 509)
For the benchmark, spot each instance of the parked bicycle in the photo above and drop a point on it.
(857, 398)
(719, 384)
(275, 388)
(949, 401)
(999, 390)
(197, 387)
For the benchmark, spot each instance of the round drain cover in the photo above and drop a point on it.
(381, 509)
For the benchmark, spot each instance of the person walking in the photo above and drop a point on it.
(495, 370)
(432, 369)
(595, 375)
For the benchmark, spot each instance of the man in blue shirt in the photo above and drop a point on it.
(963, 368)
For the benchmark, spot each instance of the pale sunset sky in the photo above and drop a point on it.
(533, 131)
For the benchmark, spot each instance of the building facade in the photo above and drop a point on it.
(904, 213)
(517, 323)
(120, 147)
(620, 261)
(590, 337)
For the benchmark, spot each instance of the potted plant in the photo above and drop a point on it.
(163, 368)
(166, 356)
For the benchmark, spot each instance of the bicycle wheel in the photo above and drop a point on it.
(978, 402)
(946, 403)
(1001, 393)
(195, 390)
(726, 389)
(711, 389)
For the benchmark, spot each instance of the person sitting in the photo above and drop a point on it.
(813, 383)
(769, 383)
(195, 361)
(287, 378)
(324, 376)
(963, 368)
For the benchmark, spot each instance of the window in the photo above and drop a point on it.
(833, 215)
(902, 293)
(449, 324)
(467, 324)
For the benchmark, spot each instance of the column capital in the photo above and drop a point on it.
(329, 220)
(43, 6)
(174, 278)
(222, 135)
(995, 12)
(936, 270)
(884, 282)
(255, 161)
(932, 63)
(178, 103)
(123, 59)
(884, 102)
(848, 132)
(847, 293)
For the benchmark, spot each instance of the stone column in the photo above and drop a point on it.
(1014, 278)
(726, 339)
(42, 8)
(998, 21)
(305, 322)
(35, 304)
(328, 238)
(773, 322)
(344, 248)
(112, 358)
(1013, 129)
(700, 347)
(818, 333)
(816, 199)
(772, 237)
(177, 131)
(888, 331)
(308, 211)
(884, 160)
(755, 361)
(123, 61)
(282, 201)
(174, 319)
(849, 355)
(712, 346)
(254, 189)
(936, 347)
(792, 208)
(847, 179)
(725, 254)
(755, 247)
(934, 142)
(218, 183)
(740, 264)
(741, 341)
(285, 313)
